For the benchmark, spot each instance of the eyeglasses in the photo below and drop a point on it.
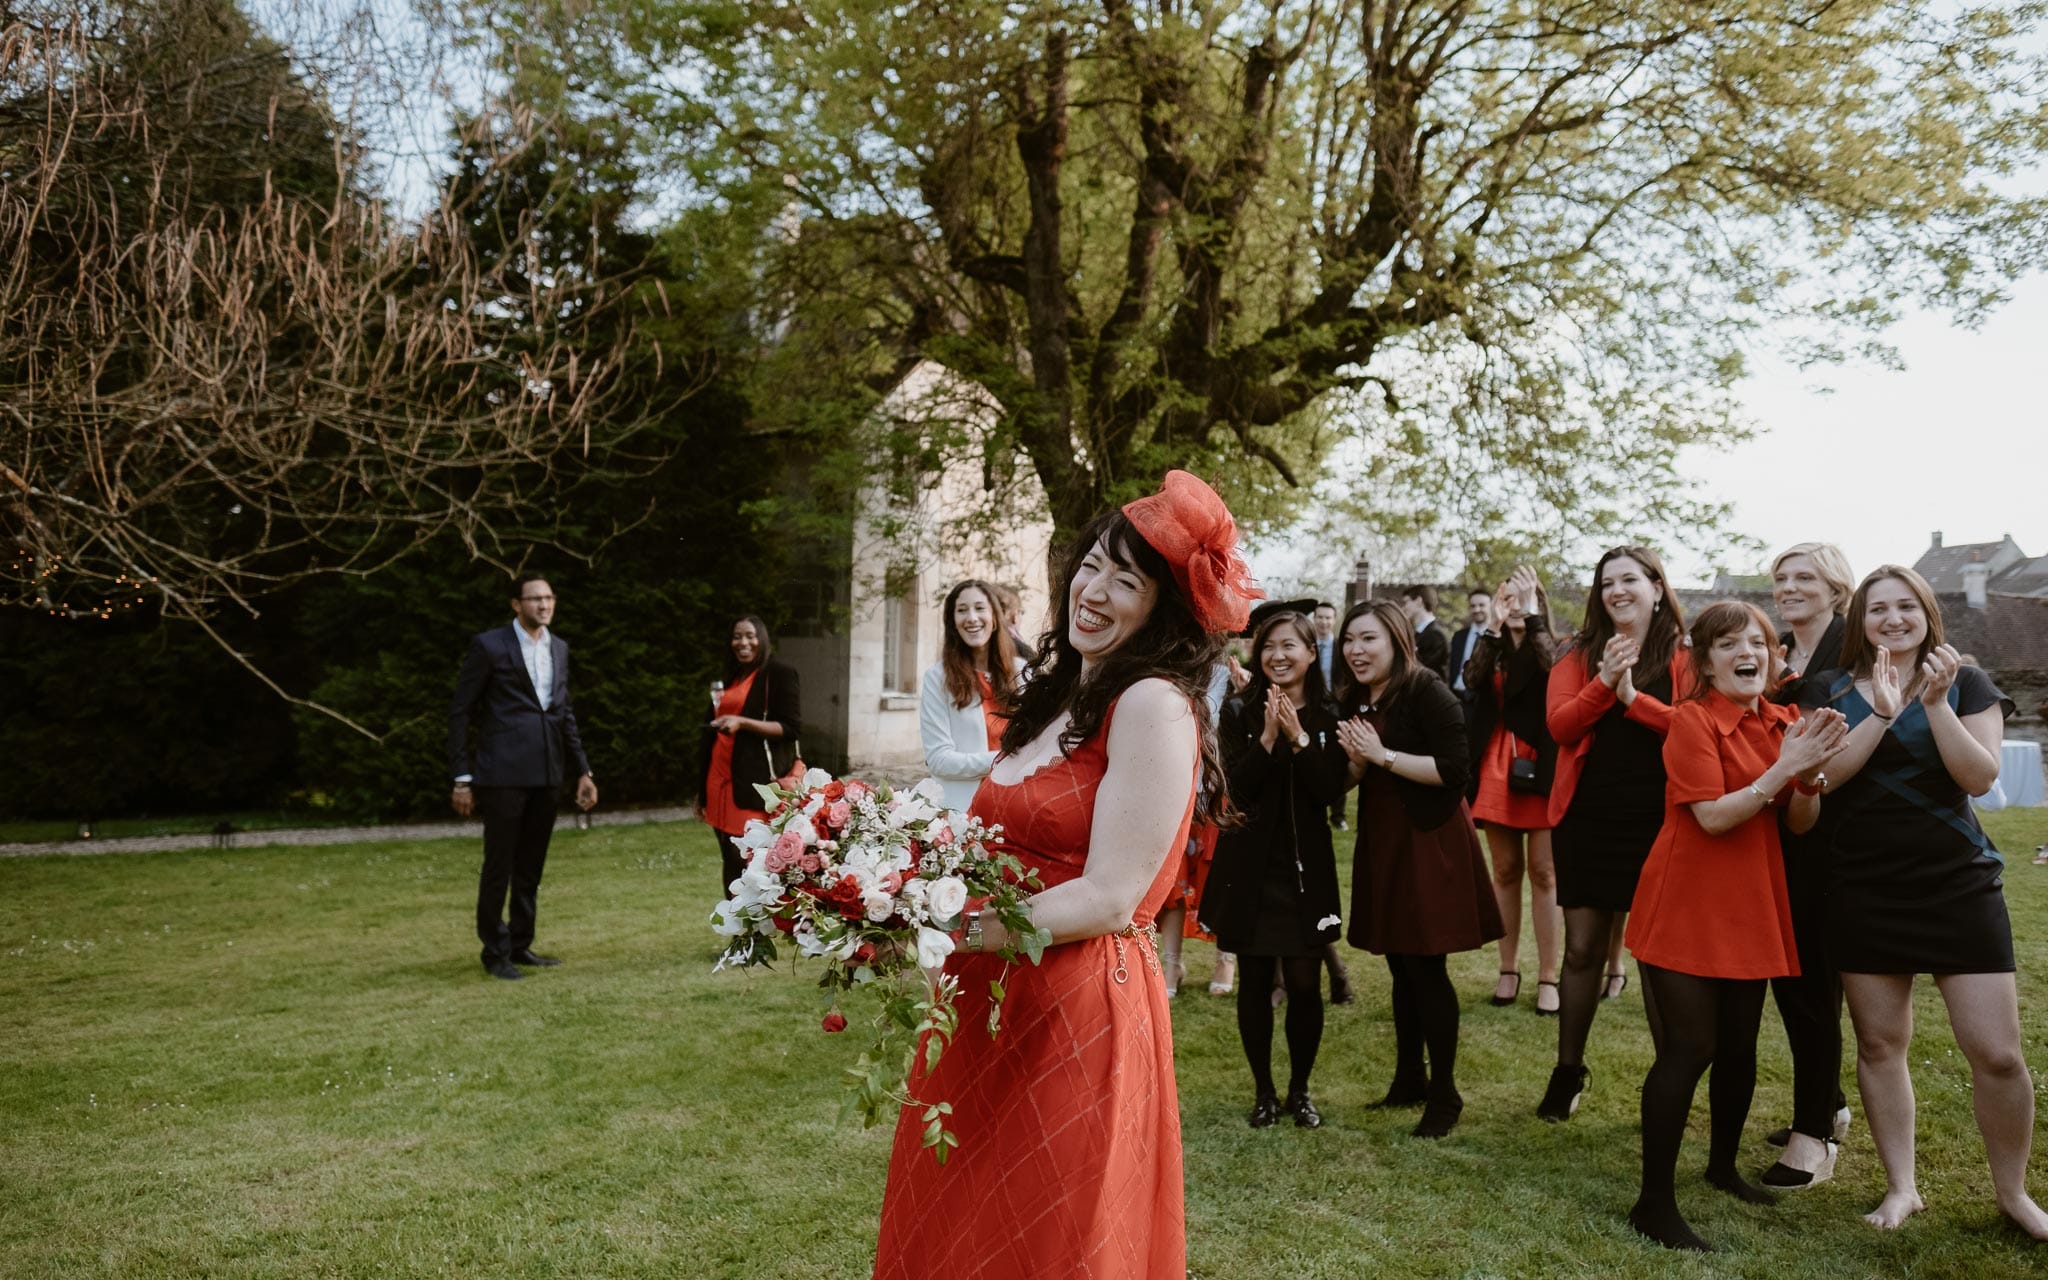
(536, 599)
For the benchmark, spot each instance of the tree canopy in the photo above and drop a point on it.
(1515, 249)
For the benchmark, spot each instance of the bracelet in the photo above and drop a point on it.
(1388, 761)
(971, 939)
(1759, 792)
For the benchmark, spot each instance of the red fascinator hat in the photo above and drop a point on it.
(1187, 524)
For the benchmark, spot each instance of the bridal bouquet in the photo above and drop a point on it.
(873, 882)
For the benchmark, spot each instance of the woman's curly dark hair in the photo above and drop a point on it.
(1170, 646)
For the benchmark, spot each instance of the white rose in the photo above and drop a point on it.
(804, 830)
(757, 835)
(931, 791)
(946, 898)
(933, 947)
(879, 906)
(814, 778)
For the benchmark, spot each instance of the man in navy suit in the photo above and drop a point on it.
(515, 687)
(1478, 607)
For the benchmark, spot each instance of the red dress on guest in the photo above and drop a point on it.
(1496, 802)
(719, 809)
(1069, 1162)
(1716, 906)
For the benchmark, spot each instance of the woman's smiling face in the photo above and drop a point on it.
(1894, 620)
(1368, 650)
(1739, 662)
(1799, 591)
(1284, 658)
(1629, 592)
(1107, 604)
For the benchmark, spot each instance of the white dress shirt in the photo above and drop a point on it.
(539, 652)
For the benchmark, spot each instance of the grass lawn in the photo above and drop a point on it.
(257, 1062)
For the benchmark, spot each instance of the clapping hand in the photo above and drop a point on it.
(1941, 668)
(1812, 741)
(1239, 677)
(1502, 608)
(1526, 589)
(1361, 742)
(1617, 661)
(1886, 698)
(1281, 720)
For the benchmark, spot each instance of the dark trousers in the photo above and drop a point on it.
(518, 822)
(1811, 1005)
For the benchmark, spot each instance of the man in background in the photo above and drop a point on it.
(1478, 605)
(1324, 619)
(1432, 647)
(514, 687)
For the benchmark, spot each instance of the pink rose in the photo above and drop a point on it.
(783, 854)
(811, 862)
(837, 813)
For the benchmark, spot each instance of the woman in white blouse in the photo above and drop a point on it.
(959, 714)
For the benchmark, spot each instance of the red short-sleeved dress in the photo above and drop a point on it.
(1716, 906)
(1069, 1162)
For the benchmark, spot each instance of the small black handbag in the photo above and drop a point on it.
(1522, 775)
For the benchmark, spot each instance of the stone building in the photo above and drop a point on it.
(862, 636)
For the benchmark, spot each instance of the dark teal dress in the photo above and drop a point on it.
(1914, 884)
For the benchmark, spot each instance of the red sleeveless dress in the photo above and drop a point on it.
(1069, 1162)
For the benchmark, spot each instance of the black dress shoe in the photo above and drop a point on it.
(526, 956)
(1304, 1111)
(1265, 1112)
(503, 969)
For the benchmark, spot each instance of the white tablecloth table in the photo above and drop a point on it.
(2019, 777)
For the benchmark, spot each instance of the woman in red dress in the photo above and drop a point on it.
(1069, 1161)
(756, 717)
(1513, 761)
(1711, 923)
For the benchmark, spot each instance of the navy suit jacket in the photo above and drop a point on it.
(518, 744)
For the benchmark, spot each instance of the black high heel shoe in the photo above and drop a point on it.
(1503, 1001)
(1404, 1092)
(1440, 1117)
(1265, 1112)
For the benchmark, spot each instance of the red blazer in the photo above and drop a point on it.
(1577, 699)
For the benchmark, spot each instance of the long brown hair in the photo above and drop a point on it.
(1721, 618)
(1858, 654)
(1171, 646)
(1667, 619)
(1352, 696)
(958, 659)
(1479, 669)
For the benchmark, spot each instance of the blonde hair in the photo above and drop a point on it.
(1833, 566)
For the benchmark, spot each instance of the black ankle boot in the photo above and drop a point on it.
(1561, 1099)
(1304, 1111)
(1406, 1091)
(1440, 1116)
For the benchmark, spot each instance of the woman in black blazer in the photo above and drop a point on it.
(1513, 759)
(1271, 896)
(1419, 887)
(751, 738)
(1811, 585)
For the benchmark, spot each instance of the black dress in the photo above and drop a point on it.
(1272, 888)
(1914, 884)
(1617, 808)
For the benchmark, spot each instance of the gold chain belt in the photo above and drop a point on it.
(1150, 934)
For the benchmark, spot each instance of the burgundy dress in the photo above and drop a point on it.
(1416, 892)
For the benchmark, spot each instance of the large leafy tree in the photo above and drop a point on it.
(1516, 250)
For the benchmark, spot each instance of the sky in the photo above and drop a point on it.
(1957, 441)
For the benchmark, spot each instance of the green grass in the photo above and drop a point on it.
(257, 1062)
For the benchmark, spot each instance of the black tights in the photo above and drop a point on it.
(1707, 1021)
(1303, 976)
(1811, 1006)
(1425, 1018)
(1584, 978)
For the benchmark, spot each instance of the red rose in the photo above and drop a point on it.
(835, 1021)
(833, 790)
(864, 952)
(783, 924)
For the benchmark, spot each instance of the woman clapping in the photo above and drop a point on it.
(1272, 892)
(1419, 888)
(1712, 919)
